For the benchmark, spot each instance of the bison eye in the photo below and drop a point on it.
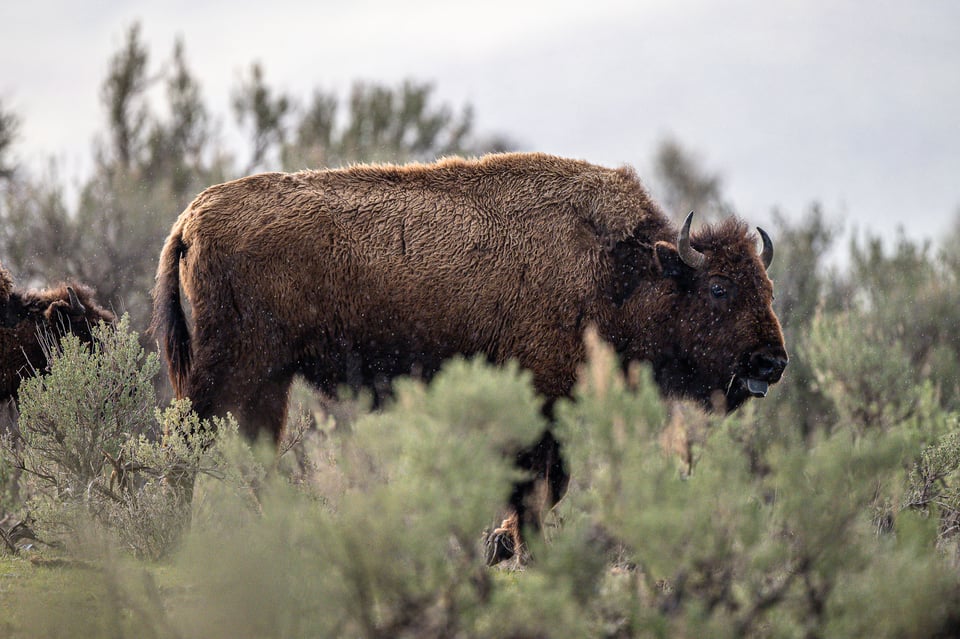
(718, 291)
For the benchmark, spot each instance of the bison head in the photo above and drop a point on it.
(716, 338)
(26, 314)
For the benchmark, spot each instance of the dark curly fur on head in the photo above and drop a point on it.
(25, 313)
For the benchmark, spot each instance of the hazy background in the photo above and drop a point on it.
(852, 104)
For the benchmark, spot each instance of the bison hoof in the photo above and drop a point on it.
(498, 546)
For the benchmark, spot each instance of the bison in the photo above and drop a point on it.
(358, 275)
(27, 314)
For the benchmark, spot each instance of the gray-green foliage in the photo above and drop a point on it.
(92, 448)
(94, 399)
(8, 133)
(803, 283)
(912, 294)
(727, 552)
(151, 480)
(864, 371)
(793, 552)
(254, 101)
(379, 532)
(883, 357)
(382, 124)
(375, 123)
(393, 547)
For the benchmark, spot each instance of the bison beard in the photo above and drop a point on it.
(355, 276)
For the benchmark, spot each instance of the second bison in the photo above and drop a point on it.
(358, 275)
(26, 315)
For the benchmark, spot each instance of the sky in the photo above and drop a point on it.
(852, 104)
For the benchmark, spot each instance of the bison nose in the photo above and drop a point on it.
(768, 367)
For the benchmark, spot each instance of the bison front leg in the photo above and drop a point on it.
(504, 542)
(530, 500)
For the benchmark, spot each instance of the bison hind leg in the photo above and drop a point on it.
(264, 414)
(258, 403)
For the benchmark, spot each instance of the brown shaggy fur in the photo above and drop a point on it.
(357, 275)
(24, 313)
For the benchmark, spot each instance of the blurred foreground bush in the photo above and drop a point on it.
(373, 529)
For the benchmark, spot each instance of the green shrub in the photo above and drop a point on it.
(92, 401)
(864, 371)
(376, 530)
(392, 547)
(93, 449)
(728, 552)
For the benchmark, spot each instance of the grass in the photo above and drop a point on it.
(47, 595)
(32, 583)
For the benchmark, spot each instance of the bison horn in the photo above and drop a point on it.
(690, 256)
(75, 306)
(766, 255)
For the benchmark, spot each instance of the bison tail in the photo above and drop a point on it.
(169, 323)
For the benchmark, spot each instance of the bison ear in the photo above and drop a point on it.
(57, 309)
(669, 261)
(68, 307)
(627, 258)
(65, 310)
